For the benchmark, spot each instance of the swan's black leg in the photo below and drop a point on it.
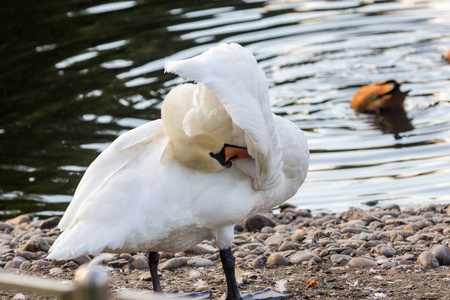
(227, 258)
(153, 260)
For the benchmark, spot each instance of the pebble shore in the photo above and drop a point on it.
(387, 238)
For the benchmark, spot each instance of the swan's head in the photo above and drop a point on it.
(195, 143)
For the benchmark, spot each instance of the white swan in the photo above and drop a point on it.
(169, 184)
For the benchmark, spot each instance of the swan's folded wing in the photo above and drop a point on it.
(232, 73)
(109, 163)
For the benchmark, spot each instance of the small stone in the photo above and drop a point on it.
(411, 227)
(258, 251)
(442, 254)
(125, 256)
(258, 262)
(140, 262)
(5, 238)
(257, 222)
(240, 254)
(201, 249)
(19, 220)
(239, 228)
(6, 227)
(13, 264)
(274, 240)
(36, 243)
(41, 263)
(302, 256)
(19, 296)
(50, 223)
(268, 229)
(385, 250)
(340, 258)
(71, 265)
(56, 271)
(286, 246)
(277, 259)
(200, 262)
(298, 237)
(27, 255)
(81, 260)
(362, 262)
(428, 260)
(174, 263)
(117, 264)
(25, 265)
(353, 213)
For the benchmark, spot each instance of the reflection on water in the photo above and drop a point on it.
(75, 75)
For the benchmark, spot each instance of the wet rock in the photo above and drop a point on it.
(50, 223)
(362, 262)
(442, 254)
(174, 263)
(257, 222)
(302, 256)
(277, 259)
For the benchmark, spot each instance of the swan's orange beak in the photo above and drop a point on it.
(234, 153)
(230, 153)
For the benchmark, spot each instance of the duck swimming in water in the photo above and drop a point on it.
(447, 56)
(217, 155)
(381, 95)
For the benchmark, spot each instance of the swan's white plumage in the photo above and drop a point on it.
(243, 91)
(137, 196)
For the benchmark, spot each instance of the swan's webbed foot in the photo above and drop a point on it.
(199, 295)
(266, 294)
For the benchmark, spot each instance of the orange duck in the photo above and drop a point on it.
(378, 96)
(447, 56)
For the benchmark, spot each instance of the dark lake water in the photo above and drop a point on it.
(76, 74)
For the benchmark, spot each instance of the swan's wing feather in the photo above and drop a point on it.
(107, 164)
(232, 73)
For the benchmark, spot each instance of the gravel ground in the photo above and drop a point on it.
(380, 253)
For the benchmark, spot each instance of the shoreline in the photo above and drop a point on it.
(381, 252)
